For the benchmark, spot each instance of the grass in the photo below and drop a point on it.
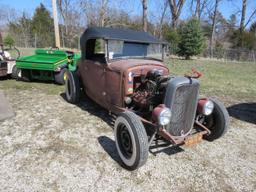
(223, 79)
(236, 80)
(46, 87)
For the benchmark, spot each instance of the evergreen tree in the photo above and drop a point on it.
(191, 39)
(43, 27)
(9, 41)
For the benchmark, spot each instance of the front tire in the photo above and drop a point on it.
(72, 87)
(217, 122)
(131, 140)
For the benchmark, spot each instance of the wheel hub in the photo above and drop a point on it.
(125, 141)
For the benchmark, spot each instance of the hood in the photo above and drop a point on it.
(125, 64)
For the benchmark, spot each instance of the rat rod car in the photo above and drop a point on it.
(122, 70)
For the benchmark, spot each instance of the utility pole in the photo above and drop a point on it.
(56, 24)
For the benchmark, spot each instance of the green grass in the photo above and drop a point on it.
(236, 80)
(223, 79)
(46, 87)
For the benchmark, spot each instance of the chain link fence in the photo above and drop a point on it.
(240, 55)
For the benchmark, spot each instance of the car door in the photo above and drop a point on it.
(94, 80)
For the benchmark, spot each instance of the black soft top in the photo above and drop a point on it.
(117, 34)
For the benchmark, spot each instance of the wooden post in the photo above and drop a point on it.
(56, 24)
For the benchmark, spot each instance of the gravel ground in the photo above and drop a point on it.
(54, 146)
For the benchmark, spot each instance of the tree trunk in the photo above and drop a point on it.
(145, 12)
(176, 8)
(198, 7)
(103, 12)
(162, 20)
(243, 15)
(213, 26)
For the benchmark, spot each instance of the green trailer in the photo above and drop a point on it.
(50, 65)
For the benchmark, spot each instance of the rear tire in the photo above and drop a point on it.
(217, 122)
(131, 140)
(15, 72)
(25, 75)
(61, 76)
(72, 87)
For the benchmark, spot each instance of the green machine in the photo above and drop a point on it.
(50, 65)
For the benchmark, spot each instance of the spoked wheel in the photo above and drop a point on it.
(217, 122)
(131, 140)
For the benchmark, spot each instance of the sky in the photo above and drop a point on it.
(227, 7)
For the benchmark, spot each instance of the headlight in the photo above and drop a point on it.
(164, 116)
(208, 107)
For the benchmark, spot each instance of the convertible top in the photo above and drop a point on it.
(117, 34)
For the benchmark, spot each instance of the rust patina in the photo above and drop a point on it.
(108, 83)
(126, 77)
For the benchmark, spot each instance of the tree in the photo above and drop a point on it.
(9, 41)
(43, 27)
(176, 7)
(71, 17)
(199, 8)
(173, 37)
(253, 28)
(244, 5)
(214, 25)
(192, 41)
(21, 31)
(144, 18)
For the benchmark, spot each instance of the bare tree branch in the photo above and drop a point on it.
(176, 8)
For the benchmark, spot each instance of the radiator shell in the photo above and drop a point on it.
(181, 97)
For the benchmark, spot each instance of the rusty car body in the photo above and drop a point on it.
(123, 71)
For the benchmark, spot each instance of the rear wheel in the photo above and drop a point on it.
(217, 122)
(131, 140)
(61, 76)
(16, 72)
(72, 87)
(25, 75)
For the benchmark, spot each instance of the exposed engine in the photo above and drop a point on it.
(149, 90)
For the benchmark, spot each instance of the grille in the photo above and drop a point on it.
(183, 103)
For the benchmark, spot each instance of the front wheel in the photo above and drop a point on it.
(217, 122)
(72, 87)
(131, 140)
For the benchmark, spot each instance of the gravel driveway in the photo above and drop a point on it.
(54, 146)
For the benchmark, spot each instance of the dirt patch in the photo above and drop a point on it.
(54, 146)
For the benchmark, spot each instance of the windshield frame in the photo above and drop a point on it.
(133, 57)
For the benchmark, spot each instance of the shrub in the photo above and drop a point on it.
(191, 39)
(9, 41)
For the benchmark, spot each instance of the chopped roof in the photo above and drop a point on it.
(118, 34)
